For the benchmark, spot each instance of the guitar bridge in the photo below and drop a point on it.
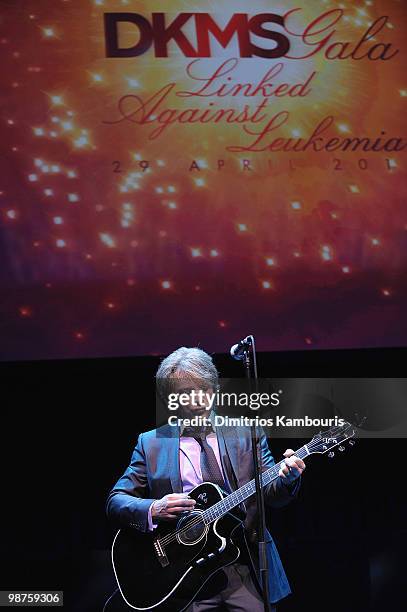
(159, 551)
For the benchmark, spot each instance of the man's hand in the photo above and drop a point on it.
(293, 468)
(170, 506)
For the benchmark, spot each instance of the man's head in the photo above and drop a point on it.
(185, 371)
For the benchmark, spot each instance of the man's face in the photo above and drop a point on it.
(197, 397)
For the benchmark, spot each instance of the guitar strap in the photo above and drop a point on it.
(229, 465)
(230, 471)
(240, 535)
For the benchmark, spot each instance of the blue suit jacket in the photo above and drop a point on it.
(154, 472)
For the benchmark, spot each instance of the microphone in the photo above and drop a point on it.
(238, 350)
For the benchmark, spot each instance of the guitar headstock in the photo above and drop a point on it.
(325, 441)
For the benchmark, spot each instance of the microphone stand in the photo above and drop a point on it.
(261, 517)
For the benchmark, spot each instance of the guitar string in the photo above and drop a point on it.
(170, 537)
(196, 521)
(310, 446)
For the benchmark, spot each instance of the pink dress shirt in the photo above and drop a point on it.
(190, 464)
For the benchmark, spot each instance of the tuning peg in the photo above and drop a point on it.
(341, 448)
(352, 442)
(331, 454)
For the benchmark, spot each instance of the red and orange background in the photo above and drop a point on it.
(117, 243)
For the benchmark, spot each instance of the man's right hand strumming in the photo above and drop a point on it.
(171, 506)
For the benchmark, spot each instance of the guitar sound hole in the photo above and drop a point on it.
(193, 528)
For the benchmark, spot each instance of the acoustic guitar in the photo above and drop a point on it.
(165, 569)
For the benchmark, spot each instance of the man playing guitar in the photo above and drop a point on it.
(165, 469)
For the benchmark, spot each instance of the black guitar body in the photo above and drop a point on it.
(162, 571)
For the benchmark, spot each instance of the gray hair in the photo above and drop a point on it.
(189, 363)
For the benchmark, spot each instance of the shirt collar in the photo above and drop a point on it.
(211, 424)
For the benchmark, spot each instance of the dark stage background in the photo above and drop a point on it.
(69, 433)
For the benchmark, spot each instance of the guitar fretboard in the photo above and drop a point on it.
(234, 499)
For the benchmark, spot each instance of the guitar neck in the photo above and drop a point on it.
(234, 499)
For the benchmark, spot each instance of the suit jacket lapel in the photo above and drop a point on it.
(173, 457)
(229, 447)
